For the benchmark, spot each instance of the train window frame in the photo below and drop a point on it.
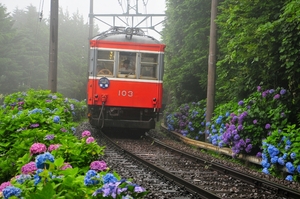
(149, 65)
(105, 65)
(132, 57)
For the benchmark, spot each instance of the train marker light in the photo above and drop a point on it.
(103, 82)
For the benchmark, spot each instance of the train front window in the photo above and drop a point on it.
(149, 66)
(105, 63)
(127, 65)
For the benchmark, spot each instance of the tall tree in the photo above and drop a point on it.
(186, 34)
(10, 73)
(72, 56)
(33, 49)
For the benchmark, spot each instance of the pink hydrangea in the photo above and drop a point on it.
(98, 165)
(29, 168)
(38, 148)
(4, 184)
(90, 140)
(85, 134)
(53, 147)
(66, 165)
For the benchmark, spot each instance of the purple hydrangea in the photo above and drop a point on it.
(34, 125)
(98, 165)
(66, 165)
(28, 168)
(90, 140)
(277, 96)
(268, 126)
(53, 147)
(49, 137)
(37, 148)
(4, 184)
(85, 134)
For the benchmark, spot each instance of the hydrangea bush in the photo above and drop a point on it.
(42, 158)
(244, 125)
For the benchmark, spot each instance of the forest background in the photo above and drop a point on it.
(258, 45)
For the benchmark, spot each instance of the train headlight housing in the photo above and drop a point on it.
(103, 82)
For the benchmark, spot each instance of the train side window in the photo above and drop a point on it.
(149, 66)
(105, 63)
(127, 66)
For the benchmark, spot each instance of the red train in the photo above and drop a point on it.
(125, 84)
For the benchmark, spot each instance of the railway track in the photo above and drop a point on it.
(191, 176)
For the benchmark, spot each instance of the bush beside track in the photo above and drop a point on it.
(42, 155)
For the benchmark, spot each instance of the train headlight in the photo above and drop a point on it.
(103, 82)
(129, 31)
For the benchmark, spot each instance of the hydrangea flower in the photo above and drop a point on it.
(268, 126)
(28, 168)
(41, 159)
(56, 119)
(49, 137)
(90, 140)
(109, 178)
(37, 178)
(265, 171)
(37, 148)
(66, 165)
(53, 147)
(293, 155)
(85, 134)
(277, 96)
(10, 191)
(289, 178)
(110, 189)
(22, 178)
(34, 125)
(91, 178)
(3, 185)
(98, 165)
(290, 167)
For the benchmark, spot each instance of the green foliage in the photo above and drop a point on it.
(41, 158)
(188, 120)
(24, 60)
(185, 33)
(22, 124)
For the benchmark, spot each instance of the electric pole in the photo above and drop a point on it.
(52, 75)
(211, 77)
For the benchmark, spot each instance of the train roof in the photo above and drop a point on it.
(126, 34)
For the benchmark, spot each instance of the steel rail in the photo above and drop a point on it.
(180, 182)
(258, 182)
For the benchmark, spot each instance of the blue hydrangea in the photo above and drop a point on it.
(41, 159)
(10, 191)
(37, 178)
(293, 155)
(265, 171)
(274, 159)
(265, 164)
(290, 167)
(289, 178)
(36, 110)
(273, 151)
(109, 178)
(22, 178)
(281, 161)
(56, 119)
(91, 178)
